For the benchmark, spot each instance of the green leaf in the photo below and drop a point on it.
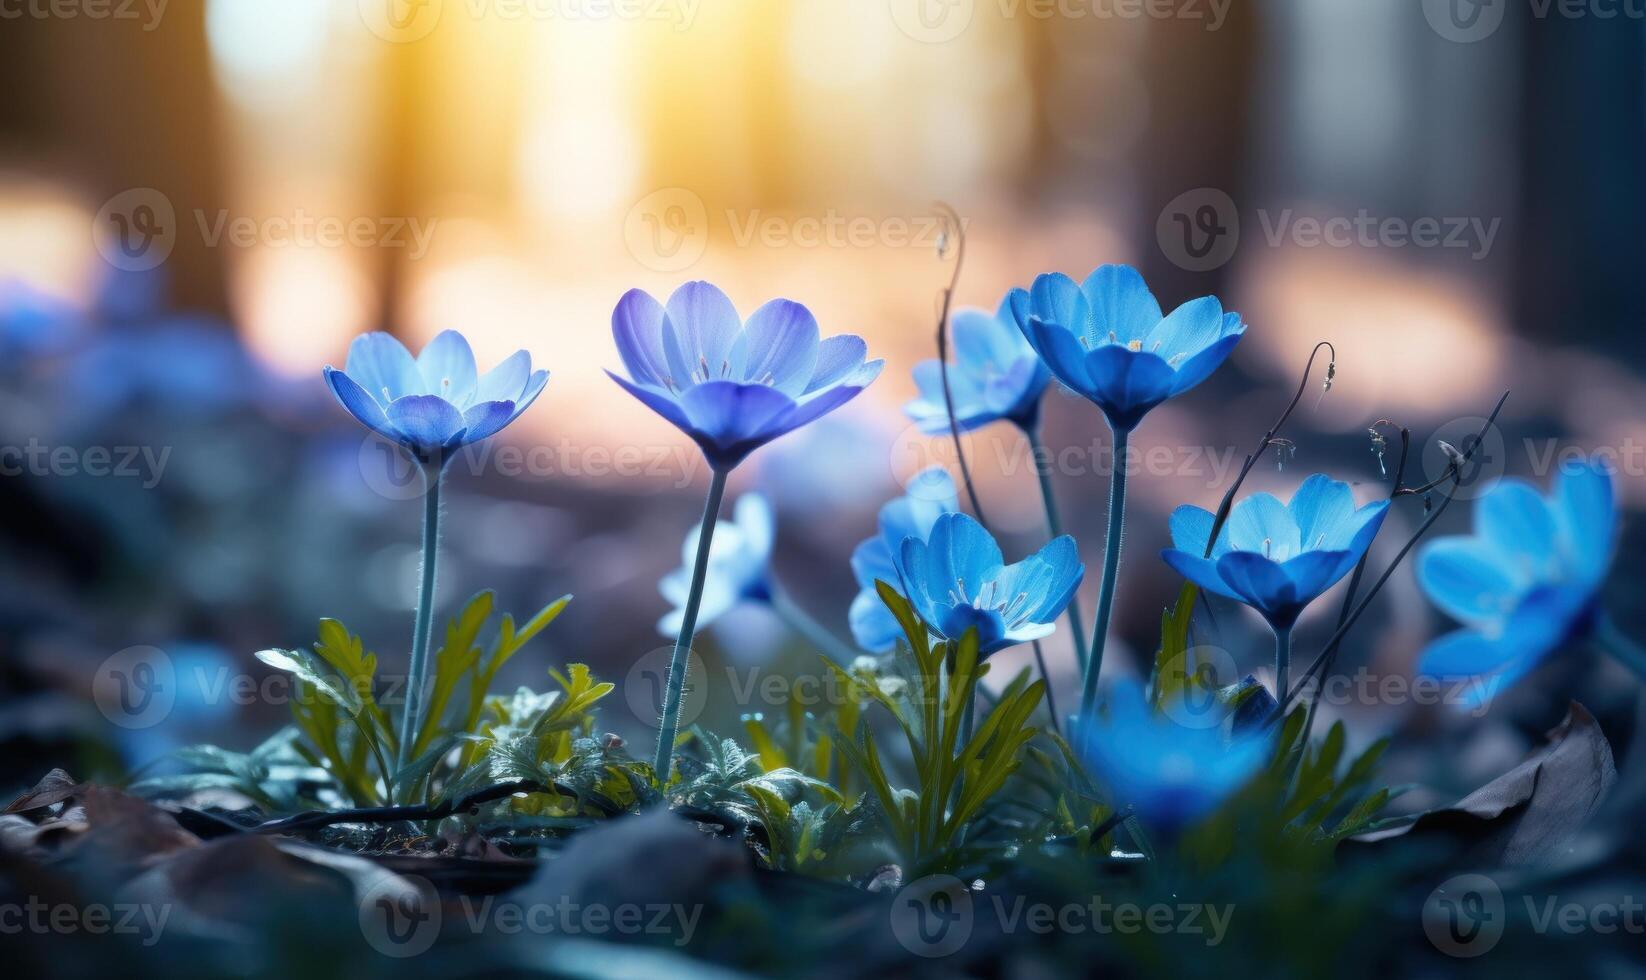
(302, 665)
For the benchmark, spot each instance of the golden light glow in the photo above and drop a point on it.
(1422, 340)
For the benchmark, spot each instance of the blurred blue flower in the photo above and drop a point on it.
(739, 565)
(959, 580)
(181, 363)
(1277, 558)
(437, 403)
(33, 321)
(201, 707)
(931, 495)
(1526, 582)
(1170, 773)
(734, 386)
(996, 375)
(1107, 340)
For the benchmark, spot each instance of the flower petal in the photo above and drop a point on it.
(1260, 582)
(507, 381)
(1586, 510)
(484, 419)
(1466, 653)
(447, 366)
(1313, 572)
(1049, 578)
(658, 401)
(637, 327)
(1187, 330)
(1126, 384)
(427, 422)
(837, 357)
(983, 341)
(1057, 300)
(1468, 580)
(359, 403)
(734, 418)
(1201, 571)
(873, 625)
(964, 556)
(931, 411)
(1200, 366)
(705, 325)
(379, 363)
(1321, 509)
(783, 345)
(1061, 352)
(1191, 528)
(1514, 517)
(534, 387)
(754, 517)
(1262, 524)
(1120, 303)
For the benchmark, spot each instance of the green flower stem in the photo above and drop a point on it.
(1283, 660)
(669, 727)
(1626, 651)
(815, 633)
(1111, 566)
(411, 719)
(1054, 524)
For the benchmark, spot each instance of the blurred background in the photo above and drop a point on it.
(203, 201)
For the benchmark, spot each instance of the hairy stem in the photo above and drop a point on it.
(1111, 567)
(669, 727)
(411, 719)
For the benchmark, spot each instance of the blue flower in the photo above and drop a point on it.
(438, 403)
(1526, 582)
(739, 570)
(734, 386)
(1106, 339)
(33, 321)
(931, 495)
(996, 375)
(958, 580)
(1170, 773)
(1277, 558)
